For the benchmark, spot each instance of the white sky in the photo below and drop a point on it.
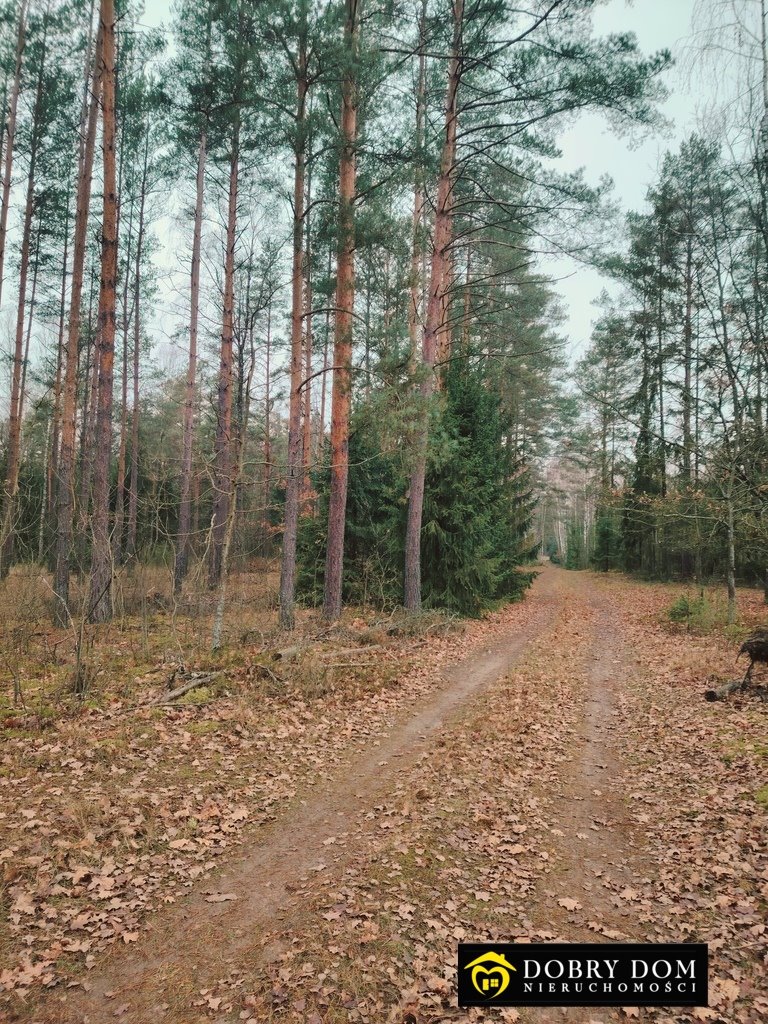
(658, 24)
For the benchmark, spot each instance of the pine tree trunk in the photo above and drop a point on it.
(88, 432)
(444, 333)
(266, 547)
(731, 568)
(181, 564)
(222, 484)
(660, 384)
(306, 428)
(100, 601)
(8, 527)
(293, 473)
(687, 364)
(118, 528)
(89, 413)
(44, 501)
(133, 483)
(306, 419)
(324, 384)
(417, 245)
(10, 136)
(65, 483)
(440, 246)
(345, 304)
(30, 321)
(53, 460)
(195, 503)
(237, 472)
(117, 533)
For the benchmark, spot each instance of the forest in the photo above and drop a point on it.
(304, 454)
(276, 293)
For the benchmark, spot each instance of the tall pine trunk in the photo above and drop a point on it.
(65, 483)
(687, 364)
(417, 245)
(345, 304)
(100, 600)
(181, 564)
(293, 474)
(306, 420)
(731, 549)
(222, 484)
(88, 427)
(133, 483)
(434, 318)
(265, 523)
(117, 533)
(8, 526)
(10, 136)
(53, 460)
(237, 473)
(324, 376)
(660, 373)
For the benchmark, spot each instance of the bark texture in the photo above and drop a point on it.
(8, 527)
(222, 483)
(435, 316)
(293, 473)
(345, 302)
(65, 483)
(133, 482)
(100, 600)
(181, 565)
(10, 135)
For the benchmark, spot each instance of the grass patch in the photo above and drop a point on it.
(205, 728)
(704, 611)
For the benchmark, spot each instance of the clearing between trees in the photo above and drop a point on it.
(551, 772)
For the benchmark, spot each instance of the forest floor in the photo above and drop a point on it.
(309, 844)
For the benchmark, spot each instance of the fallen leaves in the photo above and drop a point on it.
(115, 813)
(221, 897)
(100, 833)
(569, 904)
(486, 886)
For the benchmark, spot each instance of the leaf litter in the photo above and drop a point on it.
(469, 845)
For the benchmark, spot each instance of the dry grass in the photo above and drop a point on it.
(47, 672)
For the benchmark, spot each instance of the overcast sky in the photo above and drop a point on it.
(658, 24)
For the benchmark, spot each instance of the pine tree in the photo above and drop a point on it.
(100, 601)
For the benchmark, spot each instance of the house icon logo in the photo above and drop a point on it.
(490, 981)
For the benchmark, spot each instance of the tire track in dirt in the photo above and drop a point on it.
(596, 850)
(196, 942)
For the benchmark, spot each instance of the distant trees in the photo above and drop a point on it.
(684, 398)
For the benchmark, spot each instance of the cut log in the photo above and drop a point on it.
(290, 653)
(190, 684)
(721, 692)
(343, 651)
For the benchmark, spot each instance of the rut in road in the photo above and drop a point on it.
(196, 941)
(595, 851)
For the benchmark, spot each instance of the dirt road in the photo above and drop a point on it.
(545, 712)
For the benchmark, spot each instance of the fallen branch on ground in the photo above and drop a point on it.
(191, 684)
(333, 653)
(721, 692)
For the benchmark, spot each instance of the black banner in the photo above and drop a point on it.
(582, 974)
